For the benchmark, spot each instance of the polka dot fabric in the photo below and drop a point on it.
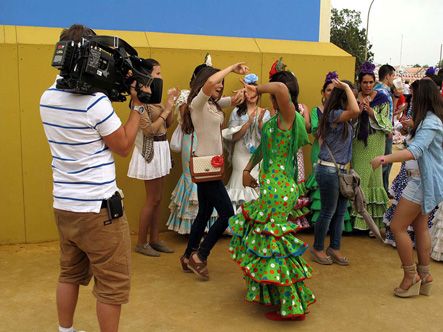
(264, 243)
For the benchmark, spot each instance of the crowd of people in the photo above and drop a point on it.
(267, 198)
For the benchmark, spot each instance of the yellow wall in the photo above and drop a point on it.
(25, 72)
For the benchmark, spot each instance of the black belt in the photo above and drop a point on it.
(160, 138)
(104, 204)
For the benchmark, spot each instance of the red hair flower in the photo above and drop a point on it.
(277, 67)
(217, 161)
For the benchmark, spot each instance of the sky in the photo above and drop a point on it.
(420, 22)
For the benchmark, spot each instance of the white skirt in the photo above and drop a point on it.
(159, 166)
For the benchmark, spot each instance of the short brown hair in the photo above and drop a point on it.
(76, 32)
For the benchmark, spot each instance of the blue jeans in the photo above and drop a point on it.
(333, 208)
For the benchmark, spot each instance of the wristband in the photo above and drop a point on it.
(139, 109)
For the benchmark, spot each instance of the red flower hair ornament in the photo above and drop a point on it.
(277, 67)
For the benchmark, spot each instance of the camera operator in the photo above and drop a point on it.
(82, 130)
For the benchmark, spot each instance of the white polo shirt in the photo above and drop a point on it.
(82, 165)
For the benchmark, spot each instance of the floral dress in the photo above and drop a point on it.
(372, 180)
(264, 243)
(239, 154)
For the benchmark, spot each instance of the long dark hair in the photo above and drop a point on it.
(196, 85)
(243, 107)
(412, 89)
(427, 98)
(291, 82)
(152, 62)
(364, 127)
(338, 100)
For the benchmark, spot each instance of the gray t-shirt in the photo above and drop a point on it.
(340, 147)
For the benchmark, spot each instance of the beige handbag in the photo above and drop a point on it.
(346, 181)
(206, 168)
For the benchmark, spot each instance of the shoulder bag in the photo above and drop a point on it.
(206, 168)
(347, 181)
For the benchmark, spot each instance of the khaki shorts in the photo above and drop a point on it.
(90, 248)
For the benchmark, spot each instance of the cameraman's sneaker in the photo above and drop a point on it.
(146, 249)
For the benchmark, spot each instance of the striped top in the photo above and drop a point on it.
(82, 165)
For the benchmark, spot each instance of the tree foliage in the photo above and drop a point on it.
(347, 34)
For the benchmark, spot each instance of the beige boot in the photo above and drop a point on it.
(414, 289)
(423, 271)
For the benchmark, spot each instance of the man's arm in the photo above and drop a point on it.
(122, 140)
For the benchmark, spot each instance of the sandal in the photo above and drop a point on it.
(184, 264)
(336, 259)
(426, 284)
(414, 289)
(320, 260)
(200, 269)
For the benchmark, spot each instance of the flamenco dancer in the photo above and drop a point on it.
(264, 243)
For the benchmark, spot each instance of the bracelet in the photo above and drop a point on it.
(162, 118)
(247, 170)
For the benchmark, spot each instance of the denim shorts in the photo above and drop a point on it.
(414, 190)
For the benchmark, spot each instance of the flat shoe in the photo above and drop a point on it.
(162, 247)
(336, 259)
(276, 316)
(320, 260)
(146, 249)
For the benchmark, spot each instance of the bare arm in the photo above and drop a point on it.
(239, 134)
(261, 116)
(169, 120)
(212, 81)
(352, 110)
(398, 156)
(305, 113)
(281, 94)
(121, 140)
(166, 116)
(364, 107)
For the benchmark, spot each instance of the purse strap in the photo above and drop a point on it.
(192, 141)
(332, 156)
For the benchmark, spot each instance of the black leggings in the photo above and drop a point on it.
(211, 195)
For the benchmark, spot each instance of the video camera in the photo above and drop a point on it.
(103, 64)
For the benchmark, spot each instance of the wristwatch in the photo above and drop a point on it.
(139, 109)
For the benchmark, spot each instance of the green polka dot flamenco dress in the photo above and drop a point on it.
(264, 243)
